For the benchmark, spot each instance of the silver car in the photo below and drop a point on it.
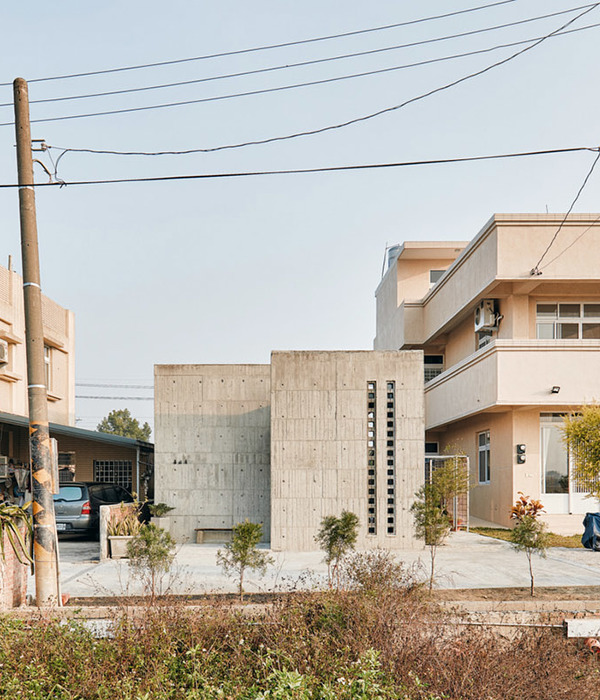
(77, 505)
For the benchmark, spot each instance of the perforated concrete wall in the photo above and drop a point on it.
(212, 431)
(347, 432)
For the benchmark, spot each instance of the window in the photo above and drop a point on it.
(434, 365)
(434, 276)
(114, 471)
(568, 321)
(371, 457)
(483, 447)
(432, 448)
(391, 459)
(483, 338)
(48, 366)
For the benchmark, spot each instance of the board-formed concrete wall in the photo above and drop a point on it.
(347, 432)
(212, 432)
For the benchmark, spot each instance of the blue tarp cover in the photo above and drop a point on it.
(591, 536)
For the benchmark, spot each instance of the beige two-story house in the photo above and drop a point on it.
(510, 327)
(85, 454)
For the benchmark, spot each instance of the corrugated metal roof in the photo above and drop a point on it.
(71, 431)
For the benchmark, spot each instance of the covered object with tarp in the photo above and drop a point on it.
(591, 535)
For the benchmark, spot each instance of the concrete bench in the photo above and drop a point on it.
(212, 535)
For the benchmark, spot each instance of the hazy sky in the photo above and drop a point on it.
(226, 270)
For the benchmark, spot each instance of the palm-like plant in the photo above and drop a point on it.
(11, 517)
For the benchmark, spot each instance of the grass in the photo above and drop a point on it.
(385, 643)
(500, 533)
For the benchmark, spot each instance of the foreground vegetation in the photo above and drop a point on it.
(383, 639)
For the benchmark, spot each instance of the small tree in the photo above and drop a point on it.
(581, 432)
(151, 553)
(451, 480)
(242, 553)
(121, 422)
(529, 533)
(431, 521)
(337, 538)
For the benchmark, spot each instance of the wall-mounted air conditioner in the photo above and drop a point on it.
(3, 352)
(3, 467)
(485, 315)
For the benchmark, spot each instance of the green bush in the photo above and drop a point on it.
(151, 553)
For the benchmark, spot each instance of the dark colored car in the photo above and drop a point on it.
(77, 505)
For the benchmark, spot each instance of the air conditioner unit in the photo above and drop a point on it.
(3, 352)
(3, 467)
(485, 315)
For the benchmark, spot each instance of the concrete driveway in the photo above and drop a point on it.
(466, 561)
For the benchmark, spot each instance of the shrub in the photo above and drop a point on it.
(377, 571)
(151, 553)
(242, 553)
(431, 521)
(529, 535)
(337, 538)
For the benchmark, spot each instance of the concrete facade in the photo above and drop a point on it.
(310, 435)
(212, 433)
(346, 433)
(492, 388)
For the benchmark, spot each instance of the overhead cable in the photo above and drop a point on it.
(562, 252)
(536, 269)
(386, 110)
(299, 171)
(252, 143)
(117, 398)
(270, 69)
(267, 47)
(116, 386)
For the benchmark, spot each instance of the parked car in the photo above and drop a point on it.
(77, 505)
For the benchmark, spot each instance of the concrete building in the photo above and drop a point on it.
(510, 329)
(212, 436)
(310, 435)
(86, 454)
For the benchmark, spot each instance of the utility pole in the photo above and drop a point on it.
(44, 523)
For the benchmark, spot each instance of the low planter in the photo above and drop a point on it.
(118, 546)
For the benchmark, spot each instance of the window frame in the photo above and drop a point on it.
(554, 322)
(485, 451)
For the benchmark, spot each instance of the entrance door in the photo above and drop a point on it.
(560, 493)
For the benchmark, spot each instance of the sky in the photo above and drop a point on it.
(225, 270)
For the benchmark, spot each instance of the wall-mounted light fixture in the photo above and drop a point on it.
(555, 390)
(521, 453)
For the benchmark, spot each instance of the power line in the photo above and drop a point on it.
(117, 398)
(299, 171)
(385, 110)
(117, 386)
(562, 252)
(306, 63)
(267, 47)
(536, 270)
(318, 82)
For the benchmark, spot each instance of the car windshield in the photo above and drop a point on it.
(69, 493)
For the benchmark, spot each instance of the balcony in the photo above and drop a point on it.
(515, 373)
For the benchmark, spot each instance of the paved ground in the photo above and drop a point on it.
(466, 561)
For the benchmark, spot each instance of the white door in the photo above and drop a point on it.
(560, 494)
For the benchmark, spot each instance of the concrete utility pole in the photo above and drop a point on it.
(44, 523)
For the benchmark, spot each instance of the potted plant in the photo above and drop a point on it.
(123, 525)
